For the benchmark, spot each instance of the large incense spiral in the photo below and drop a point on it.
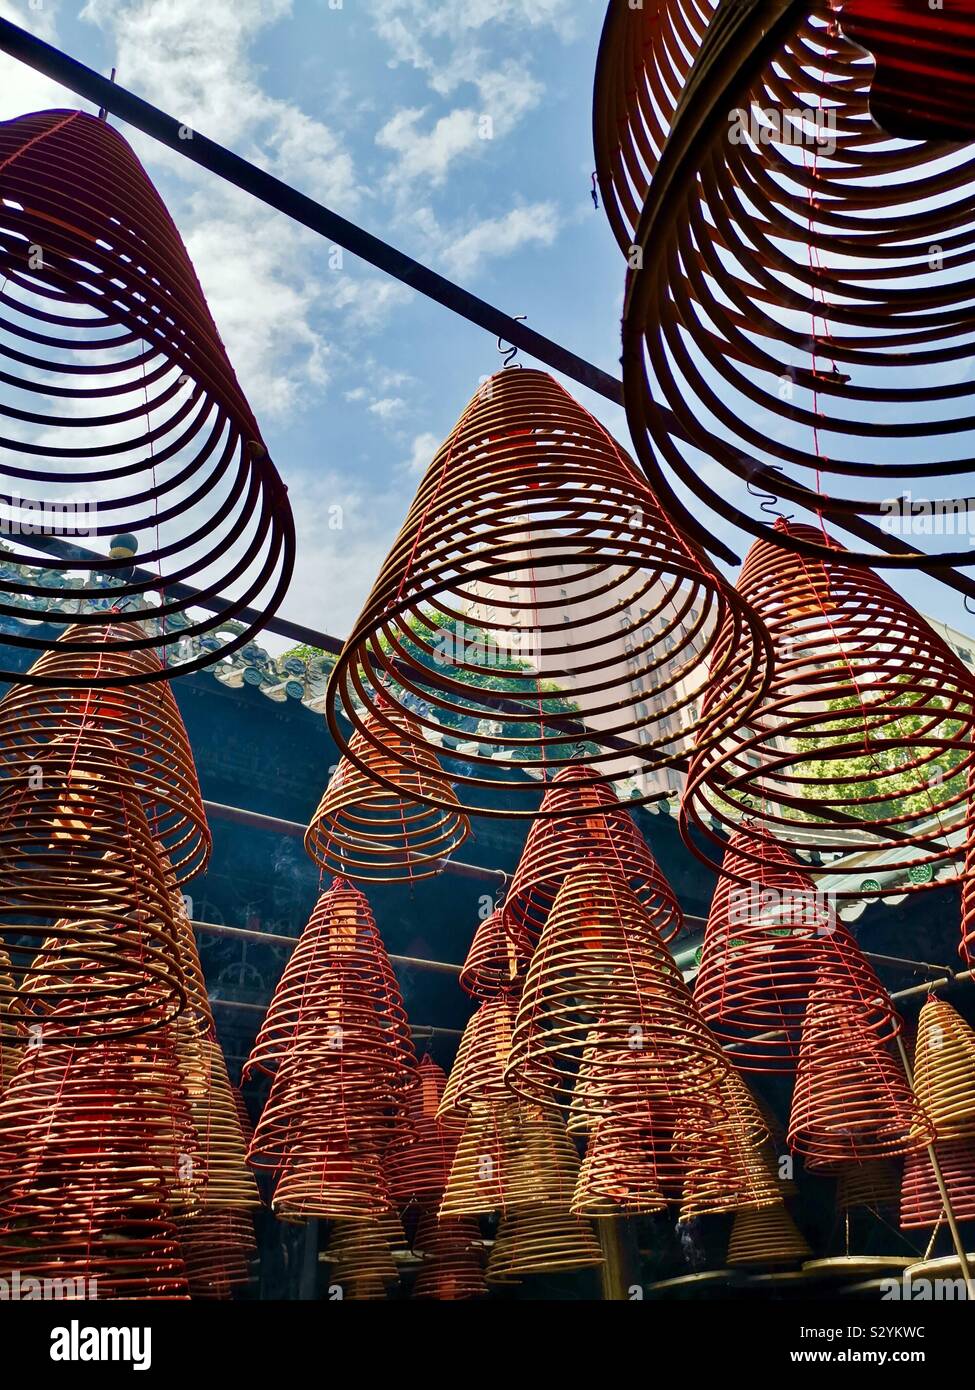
(944, 1069)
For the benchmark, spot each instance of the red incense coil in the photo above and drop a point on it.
(864, 741)
(224, 1180)
(477, 1076)
(510, 1156)
(584, 821)
(11, 1035)
(944, 1069)
(497, 959)
(533, 514)
(218, 1249)
(767, 941)
(619, 1175)
(852, 1101)
(601, 982)
(363, 831)
(330, 1176)
(418, 1165)
(141, 726)
(453, 1259)
(921, 1201)
(145, 413)
(80, 876)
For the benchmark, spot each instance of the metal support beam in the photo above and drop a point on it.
(267, 938)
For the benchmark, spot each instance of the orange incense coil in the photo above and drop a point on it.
(217, 1249)
(10, 1034)
(542, 1240)
(140, 724)
(418, 1165)
(875, 1185)
(360, 1260)
(80, 875)
(722, 1142)
(921, 1203)
(584, 821)
(508, 1156)
(363, 830)
(532, 554)
(618, 1176)
(766, 1238)
(224, 1179)
(477, 1075)
(330, 1176)
(601, 981)
(197, 1015)
(453, 1259)
(497, 959)
(339, 963)
(851, 1101)
(863, 742)
(765, 947)
(944, 1070)
(146, 416)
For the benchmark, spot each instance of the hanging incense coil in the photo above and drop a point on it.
(766, 1238)
(602, 981)
(510, 1156)
(864, 742)
(362, 830)
(785, 327)
(80, 876)
(852, 1101)
(140, 724)
(584, 821)
(921, 1203)
(418, 1164)
(497, 959)
(770, 935)
(453, 1264)
(339, 955)
(478, 1074)
(330, 1177)
(11, 1035)
(534, 561)
(218, 1249)
(618, 1175)
(727, 1163)
(360, 1259)
(542, 1240)
(875, 1186)
(113, 297)
(224, 1180)
(944, 1070)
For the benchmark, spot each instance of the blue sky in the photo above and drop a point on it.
(460, 133)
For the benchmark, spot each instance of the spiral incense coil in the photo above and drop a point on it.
(766, 1238)
(618, 1176)
(360, 1260)
(339, 964)
(601, 980)
(418, 1165)
(795, 312)
(497, 959)
(331, 1177)
(863, 743)
(197, 1015)
(362, 830)
(218, 1247)
(108, 307)
(533, 561)
(921, 1204)
(141, 724)
(767, 942)
(875, 1186)
(944, 1070)
(510, 1156)
(542, 1240)
(453, 1264)
(81, 875)
(11, 1035)
(109, 1251)
(224, 1180)
(723, 1171)
(478, 1074)
(595, 827)
(852, 1101)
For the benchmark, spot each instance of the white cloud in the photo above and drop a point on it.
(387, 407)
(21, 88)
(422, 450)
(536, 224)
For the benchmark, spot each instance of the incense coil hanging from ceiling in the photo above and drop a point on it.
(453, 1258)
(796, 309)
(497, 959)
(122, 400)
(766, 945)
(141, 725)
(863, 742)
(535, 575)
(921, 1202)
(944, 1069)
(218, 1249)
(418, 1164)
(584, 821)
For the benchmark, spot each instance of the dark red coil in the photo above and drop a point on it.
(453, 1259)
(418, 1162)
(498, 956)
(921, 1201)
(219, 1249)
(123, 389)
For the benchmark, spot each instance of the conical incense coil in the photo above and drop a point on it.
(218, 1248)
(852, 1101)
(360, 1259)
(80, 876)
(766, 1238)
(453, 1263)
(170, 456)
(418, 1165)
(224, 1180)
(863, 742)
(510, 1156)
(618, 1176)
(921, 1204)
(944, 1070)
(766, 944)
(10, 1035)
(197, 1015)
(600, 965)
(339, 962)
(542, 1240)
(364, 830)
(534, 596)
(330, 1176)
(106, 1251)
(477, 1075)
(140, 724)
(773, 175)
(728, 1165)
(875, 1185)
(586, 822)
(497, 959)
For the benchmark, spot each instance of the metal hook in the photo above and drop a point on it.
(508, 353)
(769, 499)
(103, 112)
(965, 598)
(593, 193)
